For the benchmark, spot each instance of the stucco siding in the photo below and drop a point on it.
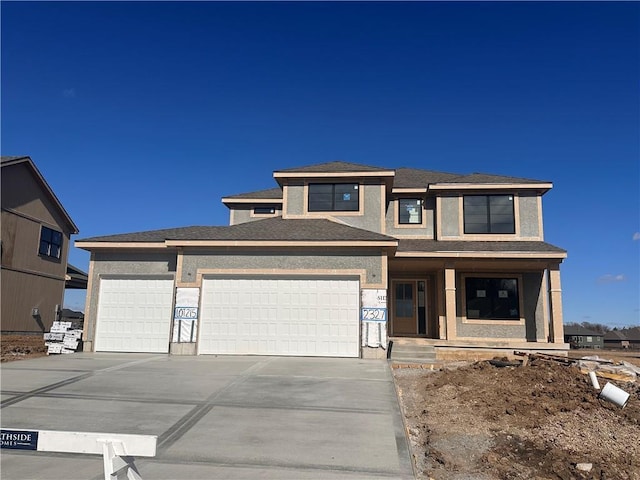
(529, 220)
(270, 261)
(449, 209)
(372, 208)
(243, 214)
(295, 199)
(425, 231)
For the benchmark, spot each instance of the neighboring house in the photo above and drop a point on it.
(626, 338)
(36, 231)
(579, 337)
(338, 260)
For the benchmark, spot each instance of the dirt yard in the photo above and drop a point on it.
(20, 347)
(541, 421)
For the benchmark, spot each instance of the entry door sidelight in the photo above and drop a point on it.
(405, 319)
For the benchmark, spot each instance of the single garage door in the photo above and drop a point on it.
(134, 315)
(280, 316)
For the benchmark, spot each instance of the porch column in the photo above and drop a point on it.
(555, 297)
(450, 300)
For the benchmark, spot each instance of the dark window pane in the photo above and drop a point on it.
(492, 298)
(410, 211)
(488, 214)
(328, 197)
(50, 242)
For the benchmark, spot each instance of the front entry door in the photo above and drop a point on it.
(405, 318)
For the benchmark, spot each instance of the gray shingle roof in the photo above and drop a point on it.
(444, 246)
(481, 178)
(274, 193)
(580, 330)
(416, 178)
(270, 229)
(630, 334)
(6, 159)
(331, 167)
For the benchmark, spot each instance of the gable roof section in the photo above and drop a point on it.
(332, 170)
(580, 330)
(7, 161)
(475, 249)
(485, 180)
(629, 334)
(414, 178)
(268, 196)
(334, 167)
(271, 230)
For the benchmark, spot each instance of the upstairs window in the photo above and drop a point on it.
(410, 211)
(50, 243)
(334, 197)
(489, 214)
(492, 298)
(264, 210)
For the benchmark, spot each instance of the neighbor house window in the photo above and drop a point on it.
(50, 243)
(410, 211)
(334, 197)
(492, 298)
(489, 214)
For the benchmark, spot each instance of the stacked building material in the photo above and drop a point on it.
(64, 337)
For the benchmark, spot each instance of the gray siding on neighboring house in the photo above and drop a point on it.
(533, 305)
(528, 215)
(423, 232)
(450, 216)
(287, 260)
(125, 264)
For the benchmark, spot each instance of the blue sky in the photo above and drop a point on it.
(143, 115)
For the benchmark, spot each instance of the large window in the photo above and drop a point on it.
(492, 298)
(334, 197)
(410, 211)
(488, 214)
(50, 243)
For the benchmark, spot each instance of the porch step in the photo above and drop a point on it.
(411, 353)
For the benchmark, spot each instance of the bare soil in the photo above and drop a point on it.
(20, 347)
(540, 421)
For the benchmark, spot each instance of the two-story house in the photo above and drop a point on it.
(36, 232)
(338, 259)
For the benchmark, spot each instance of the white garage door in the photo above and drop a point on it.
(270, 316)
(134, 315)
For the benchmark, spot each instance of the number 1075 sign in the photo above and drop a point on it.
(374, 314)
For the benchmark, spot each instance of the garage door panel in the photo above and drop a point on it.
(134, 315)
(270, 316)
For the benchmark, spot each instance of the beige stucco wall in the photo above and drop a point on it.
(422, 231)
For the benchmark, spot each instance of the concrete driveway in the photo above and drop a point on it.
(215, 416)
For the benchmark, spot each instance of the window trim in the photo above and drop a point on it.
(396, 208)
(50, 243)
(274, 207)
(493, 321)
(488, 210)
(324, 213)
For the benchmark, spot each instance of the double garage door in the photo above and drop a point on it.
(244, 316)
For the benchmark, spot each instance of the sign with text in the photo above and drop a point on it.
(185, 315)
(19, 439)
(374, 305)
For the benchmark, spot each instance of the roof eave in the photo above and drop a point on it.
(541, 187)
